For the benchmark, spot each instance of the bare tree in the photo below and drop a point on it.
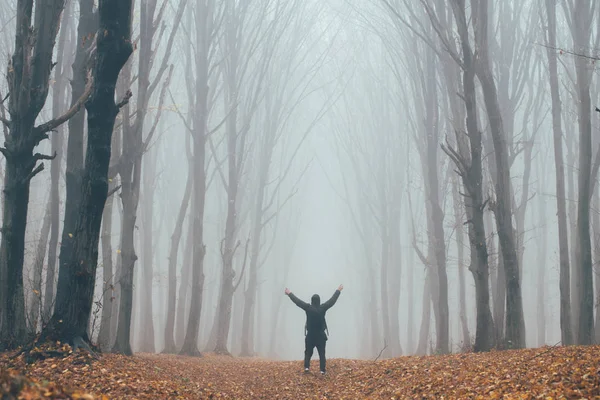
(76, 280)
(583, 12)
(207, 24)
(87, 25)
(28, 78)
(58, 106)
(563, 241)
(129, 166)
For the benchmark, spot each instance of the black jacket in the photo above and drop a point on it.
(315, 312)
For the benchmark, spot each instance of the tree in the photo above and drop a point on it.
(583, 12)
(87, 25)
(129, 166)
(563, 240)
(76, 280)
(502, 206)
(288, 88)
(28, 79)
(206, 26)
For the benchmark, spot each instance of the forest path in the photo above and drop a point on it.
(556, 372)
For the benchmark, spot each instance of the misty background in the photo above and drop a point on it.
(352, 92)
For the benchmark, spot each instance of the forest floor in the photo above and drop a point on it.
(545, 373)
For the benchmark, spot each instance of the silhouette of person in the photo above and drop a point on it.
(316, 325)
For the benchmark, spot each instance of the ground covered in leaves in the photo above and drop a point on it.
(546, 373)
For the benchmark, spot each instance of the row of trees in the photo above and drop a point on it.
(247, 71)
(478, 88)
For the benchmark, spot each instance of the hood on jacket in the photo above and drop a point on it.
(315, 300)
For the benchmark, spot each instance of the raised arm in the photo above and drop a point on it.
(296, 300)
(329, 303)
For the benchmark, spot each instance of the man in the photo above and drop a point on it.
(315, 325)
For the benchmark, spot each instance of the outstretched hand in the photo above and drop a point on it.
(341, 287)
(287, 291)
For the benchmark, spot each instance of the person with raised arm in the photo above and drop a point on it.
(316, 327)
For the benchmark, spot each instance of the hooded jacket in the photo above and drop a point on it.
(315, 312)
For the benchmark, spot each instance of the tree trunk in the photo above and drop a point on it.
(515, 320)
(466, 344)
(76, 279)
(583, 14)
(596, 232)
(563, 240)
(425, 317)
(56, 167)
(35, 295)
(28, 78)
(183, 302)
(471, 170)
(108, 284)
(170, 346)
(410, 321)
(87, 25)
(203, 16)
(147, 344)
(541, 273)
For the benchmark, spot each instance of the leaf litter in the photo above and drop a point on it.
(547, 373)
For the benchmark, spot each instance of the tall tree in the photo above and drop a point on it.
(87, 25)
(559, 164)
(76, 279)
(207, 25)
(28, 80)
(58, 105)
(129, 166)
(502, 206)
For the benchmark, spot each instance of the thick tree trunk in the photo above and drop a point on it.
(76, 279)
(28, 78)
(87, 25)
(563, 240)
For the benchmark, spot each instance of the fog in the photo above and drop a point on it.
(333, 134)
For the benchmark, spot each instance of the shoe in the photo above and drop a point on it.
(306, 370)
(322, 372)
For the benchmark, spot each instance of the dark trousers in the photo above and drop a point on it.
(312, 341)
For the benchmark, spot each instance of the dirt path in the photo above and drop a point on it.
(569, 372)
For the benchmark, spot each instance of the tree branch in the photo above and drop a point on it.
(125, 100)
(243, 266)
(33, 173)
(113, 191)
(56, 122)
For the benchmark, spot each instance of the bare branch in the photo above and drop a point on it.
(39, 156)
(55, 123)
(243, 266)
(33, 173)
(125, 100)
(113, 191)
